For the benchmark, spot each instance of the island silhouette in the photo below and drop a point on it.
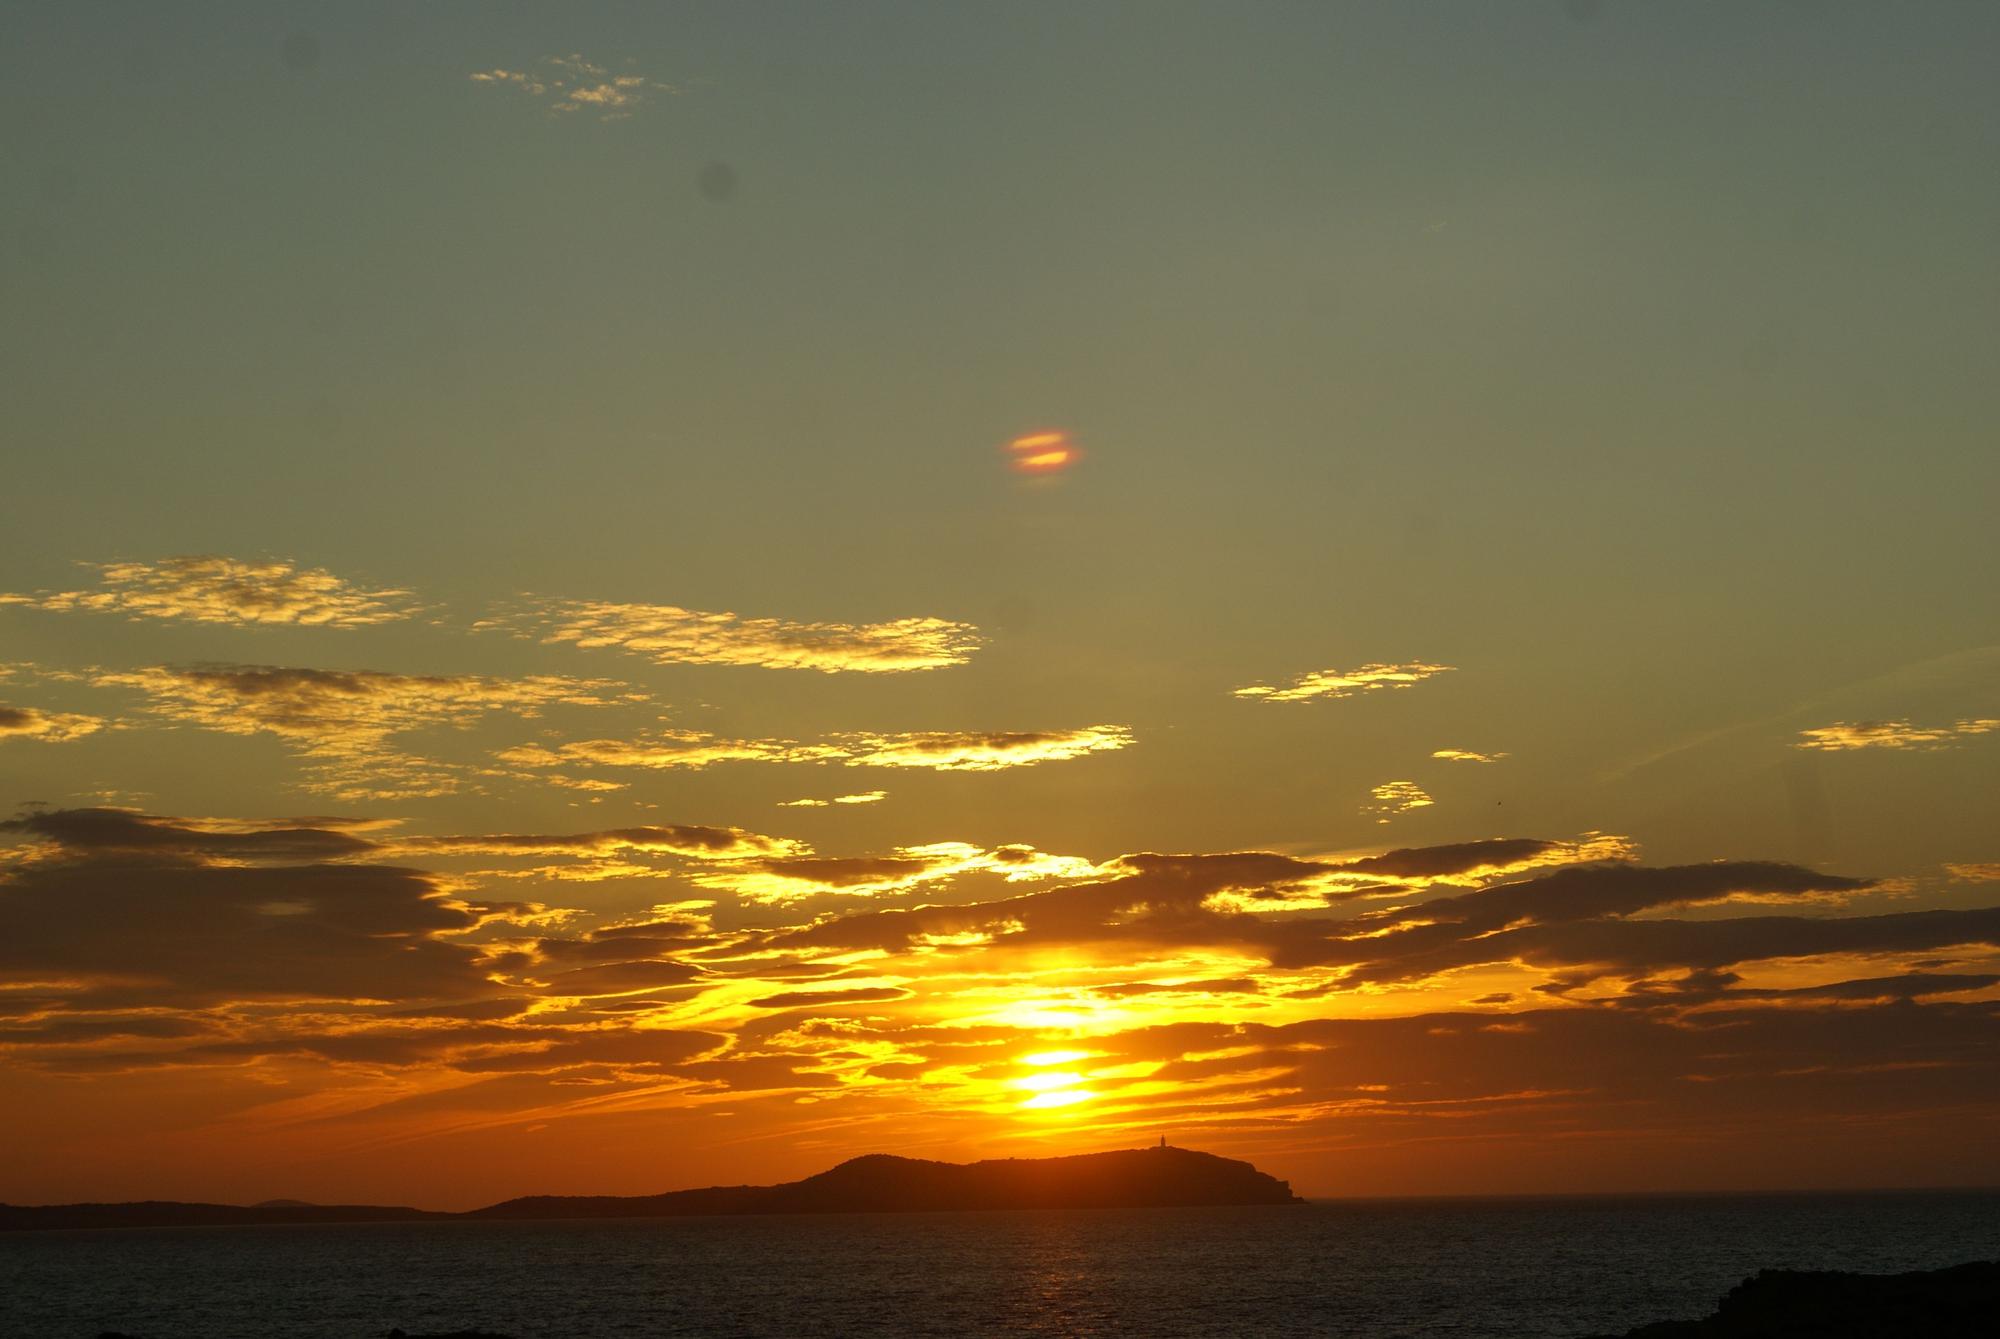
(1143, 1178)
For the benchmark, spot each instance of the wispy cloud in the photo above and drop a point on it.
(670, 635)
(1844, 735)
(1466, 755)
(572, 84)
(780, 880)
(862, 797)
(936, 750)
(342, 721)
(50, 727)
(1333, 683)
(205, 588)
(981, 751)
(1396, 797)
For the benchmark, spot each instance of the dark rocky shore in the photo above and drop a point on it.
(1142, 1178)
(1957, 1303)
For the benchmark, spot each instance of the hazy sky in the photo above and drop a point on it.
(472, 470)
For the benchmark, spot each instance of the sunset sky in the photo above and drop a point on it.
(602, 599)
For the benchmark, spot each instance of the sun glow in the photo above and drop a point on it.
(1056, 1057)
(1067, 1097)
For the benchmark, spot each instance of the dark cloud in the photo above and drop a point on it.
(1437, 862)
(96, 831)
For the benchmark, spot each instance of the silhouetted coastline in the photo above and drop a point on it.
(1956, 1303)
(876, 1183)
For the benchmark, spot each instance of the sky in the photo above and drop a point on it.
(603, 598)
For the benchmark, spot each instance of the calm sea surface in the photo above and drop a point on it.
(1497, 1269)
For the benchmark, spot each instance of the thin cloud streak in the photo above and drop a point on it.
(935, 750)
(1843, 736)
(670, 635)
(1334, 684)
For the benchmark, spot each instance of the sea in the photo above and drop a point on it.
(1371, 1269)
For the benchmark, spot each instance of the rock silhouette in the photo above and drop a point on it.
(1956, 1303)
(877, 1183)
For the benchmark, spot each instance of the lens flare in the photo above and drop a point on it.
(1042, 453)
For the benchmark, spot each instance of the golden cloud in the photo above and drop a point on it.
(1466, 755)
(937, 750)
(1845, 735)
(1343, 683)
(209, 589)
(50, 727)
(981, 751)
(796, 878)
(342, 720)
(671, 635)
(1396, 797)
(861, 797)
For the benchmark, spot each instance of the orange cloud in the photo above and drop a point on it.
(1466, 755)
(326, 1002)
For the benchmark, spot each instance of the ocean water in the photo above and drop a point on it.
(1490, 1269)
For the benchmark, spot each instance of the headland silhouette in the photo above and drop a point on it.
(1145, 1178)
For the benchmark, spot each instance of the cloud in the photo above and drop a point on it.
(1396, 797)
(1467, 755)
(1574, 925)
(671, 635)
(795, 878)
(50, 727)
(980, 751)
(572, 84)
(1975, 872)
(694, 842)
(1343, 683)
(210, 589)
(342, 721)
(127, 832)
(799, 999)
(937, 750)
(664, 750)
(101, 925)
(862, 797)
(1845, 735)
(303, 971)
